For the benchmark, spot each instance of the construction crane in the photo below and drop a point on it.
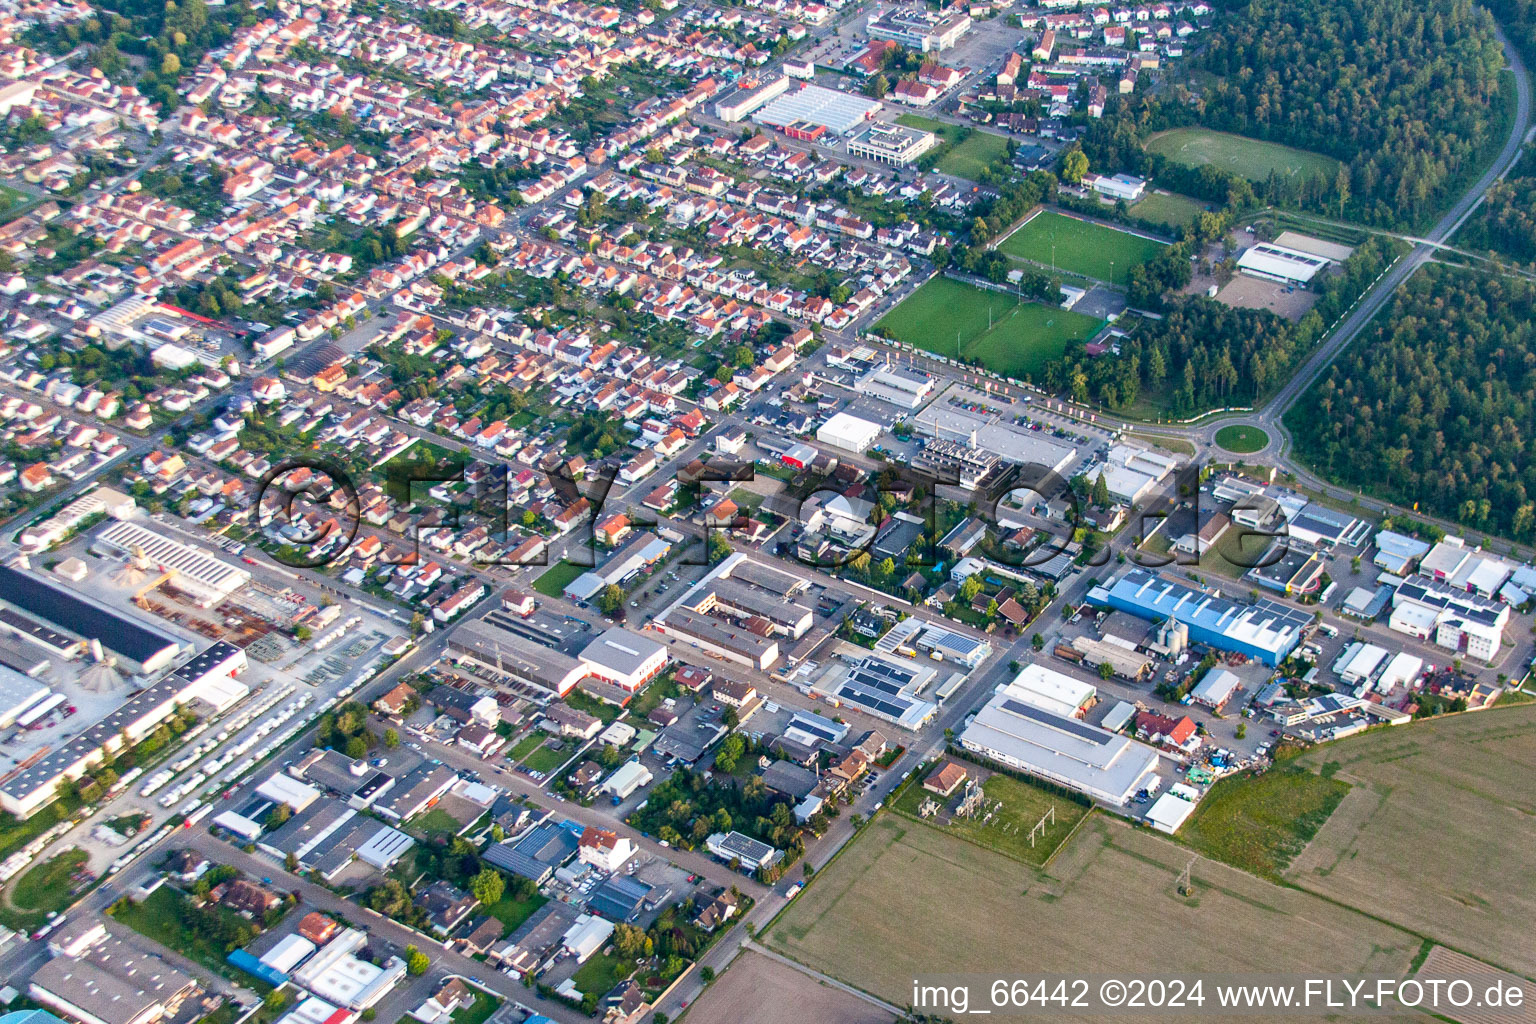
(139, 596)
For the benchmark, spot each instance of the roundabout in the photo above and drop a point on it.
(1242, 439)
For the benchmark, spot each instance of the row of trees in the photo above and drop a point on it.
(1434, 403)
(91, 787)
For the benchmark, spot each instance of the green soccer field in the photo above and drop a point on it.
(1247, 158)
(1080, 247)
(1011, 337)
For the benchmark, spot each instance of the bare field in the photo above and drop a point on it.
(758, 990)
(1450, 965)
(1245, 292)
(1437, 833)
(906, 899)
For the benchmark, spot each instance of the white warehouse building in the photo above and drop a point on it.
(1053, 691)
(1071, 753)
(838, 112)
(849, 433)
(1281, 263)
(748, 98)
(207, 579)
(1455, 621)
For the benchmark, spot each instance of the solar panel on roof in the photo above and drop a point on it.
(874, 681)
(1067, 725)
(875, 699)
(116, 633)
(955, 642)
(814, 728)
(883, 706)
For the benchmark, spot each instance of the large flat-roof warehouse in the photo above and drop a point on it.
(507, 648)
(206, 578)
(624, 658)
(110, 982)
(738, 610)
(1093, 761)
(548, 672)
(1280, 263)
(883, 687)
(209, 679)
(839, 112)
(19, 694)
(147, 650)
(1010, 443)
(723, 638)
(1266, 630)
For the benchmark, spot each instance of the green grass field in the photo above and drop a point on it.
(1436, 832)
(1168, 208)
(16, 833)
(601, 972)
(943, 129)
(978, 152)
(972, 151)
(583, 701)
(478, 1012)
(557, 577)
(1109, 903)
(512, 912)
(1247, 158)
(1170, 444)
(1008, 832)
(11, 199)
(1260, 822)
(1079, 247)
(1242, 440)
(546, 760)
(1235, 552)
(437, 822)
(47, 886)
(1012, 337)
(525, 746)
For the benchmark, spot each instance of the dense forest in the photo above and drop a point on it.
(1506, 222)
(1205, 355)
(1518, 19)
(1406, 93)
(1435, 403)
